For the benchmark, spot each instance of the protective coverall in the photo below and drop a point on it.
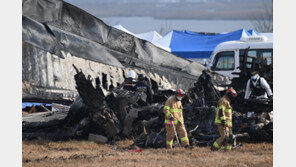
(258, 88)
(224, 121)
(173, 108)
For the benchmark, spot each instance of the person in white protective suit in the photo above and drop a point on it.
(258, 87)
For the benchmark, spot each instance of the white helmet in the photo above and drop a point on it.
(131, 74)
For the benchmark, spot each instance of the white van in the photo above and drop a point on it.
(229, 56)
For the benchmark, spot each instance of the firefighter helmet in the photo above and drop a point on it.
(231, 92)
(180, 92)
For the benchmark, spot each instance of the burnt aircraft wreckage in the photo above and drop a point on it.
(57, 34)
(71, 57)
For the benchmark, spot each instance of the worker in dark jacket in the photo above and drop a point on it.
(142, 86)
(129, 82)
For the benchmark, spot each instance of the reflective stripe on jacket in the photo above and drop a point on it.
(173, 108)
(226, 112)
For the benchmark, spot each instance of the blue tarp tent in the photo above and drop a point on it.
(201, 34)
(193, 45)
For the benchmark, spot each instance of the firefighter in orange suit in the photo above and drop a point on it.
(174, 115)
(224, 121)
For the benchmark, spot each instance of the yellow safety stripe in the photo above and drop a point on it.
(168, 113)
(228, 110)
(175, 110)
(216, 145)
(184, 138)
(167, 121)
(221, 107)
(228, 123)
(169, 142)
(227, 148)
(166, 107)
(217, 121)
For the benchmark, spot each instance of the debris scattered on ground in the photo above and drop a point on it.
(136, 150)
(97, 138)
(60, 107)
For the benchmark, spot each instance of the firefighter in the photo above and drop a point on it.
(224, 121)
(142, 86)
(258, 87)
(174, 115)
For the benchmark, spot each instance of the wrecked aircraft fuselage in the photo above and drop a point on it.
(57, 34)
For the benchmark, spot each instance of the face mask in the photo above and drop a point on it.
(179, 98)
(254, 77)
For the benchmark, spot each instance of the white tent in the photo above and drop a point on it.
(120, 27)
(254, 33)
(268, 35)
(164, 42)
(151, 36)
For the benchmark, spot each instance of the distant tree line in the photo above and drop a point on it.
(264, 22)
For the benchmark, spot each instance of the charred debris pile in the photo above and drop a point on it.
(120, 115)
(52, 43)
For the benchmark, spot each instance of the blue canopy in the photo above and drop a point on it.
(193, 45)
(28, 104)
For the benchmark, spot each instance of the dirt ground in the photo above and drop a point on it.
(85, 153)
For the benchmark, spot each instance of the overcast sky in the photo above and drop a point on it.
(175, 9)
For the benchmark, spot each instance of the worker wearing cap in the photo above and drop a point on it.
(174, 115)
(258, 87)
(224, 121)
(143, 87)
